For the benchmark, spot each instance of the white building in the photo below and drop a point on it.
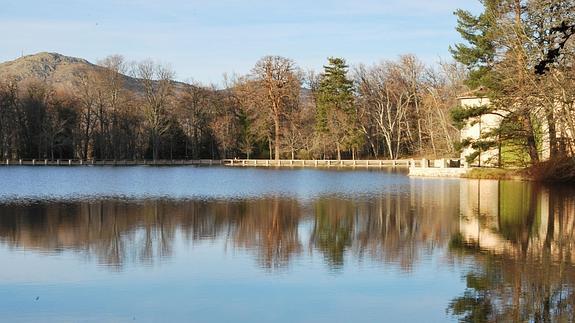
(477, 128)
(481, 127)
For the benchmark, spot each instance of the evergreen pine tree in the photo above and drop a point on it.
(335, 118)
(478, 55)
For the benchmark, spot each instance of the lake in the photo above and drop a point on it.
(215, 244)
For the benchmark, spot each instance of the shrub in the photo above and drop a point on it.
(554, 170)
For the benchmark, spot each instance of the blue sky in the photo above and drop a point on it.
(203, 39)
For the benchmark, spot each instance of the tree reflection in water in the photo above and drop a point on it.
(513, 239)
(388, 228)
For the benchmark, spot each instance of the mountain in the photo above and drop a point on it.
(56, 69)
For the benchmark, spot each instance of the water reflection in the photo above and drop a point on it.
(512, 242)
(520, 239)
(395, 227)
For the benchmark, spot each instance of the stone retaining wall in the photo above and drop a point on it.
(437, 172)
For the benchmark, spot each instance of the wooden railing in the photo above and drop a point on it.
(416, 163)
(93, 162)
(319, 163)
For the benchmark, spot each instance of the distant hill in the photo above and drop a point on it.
(53, 68)
(58, 70)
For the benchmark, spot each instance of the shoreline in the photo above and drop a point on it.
(514, 174)
(283, 163)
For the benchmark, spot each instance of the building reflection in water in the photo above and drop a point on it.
(519, 238)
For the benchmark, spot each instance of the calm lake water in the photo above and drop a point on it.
(228, 244)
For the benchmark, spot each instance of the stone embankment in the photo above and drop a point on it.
(439, 168)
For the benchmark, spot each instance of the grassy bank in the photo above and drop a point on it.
(553, 171)
(497, 173)
(558, 170)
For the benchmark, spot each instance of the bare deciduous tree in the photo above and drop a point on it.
(279, 84)
(157, 82)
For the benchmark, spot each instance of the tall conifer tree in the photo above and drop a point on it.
(336, 117)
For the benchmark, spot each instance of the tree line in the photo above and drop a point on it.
(519, 53)
(393, 109)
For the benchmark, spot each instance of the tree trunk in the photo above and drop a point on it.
(531, 143)
(155, 144)
(277, 137)
(86, 140)
(553, 149)
(270, 147)
(389, 145)
(195, 153)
